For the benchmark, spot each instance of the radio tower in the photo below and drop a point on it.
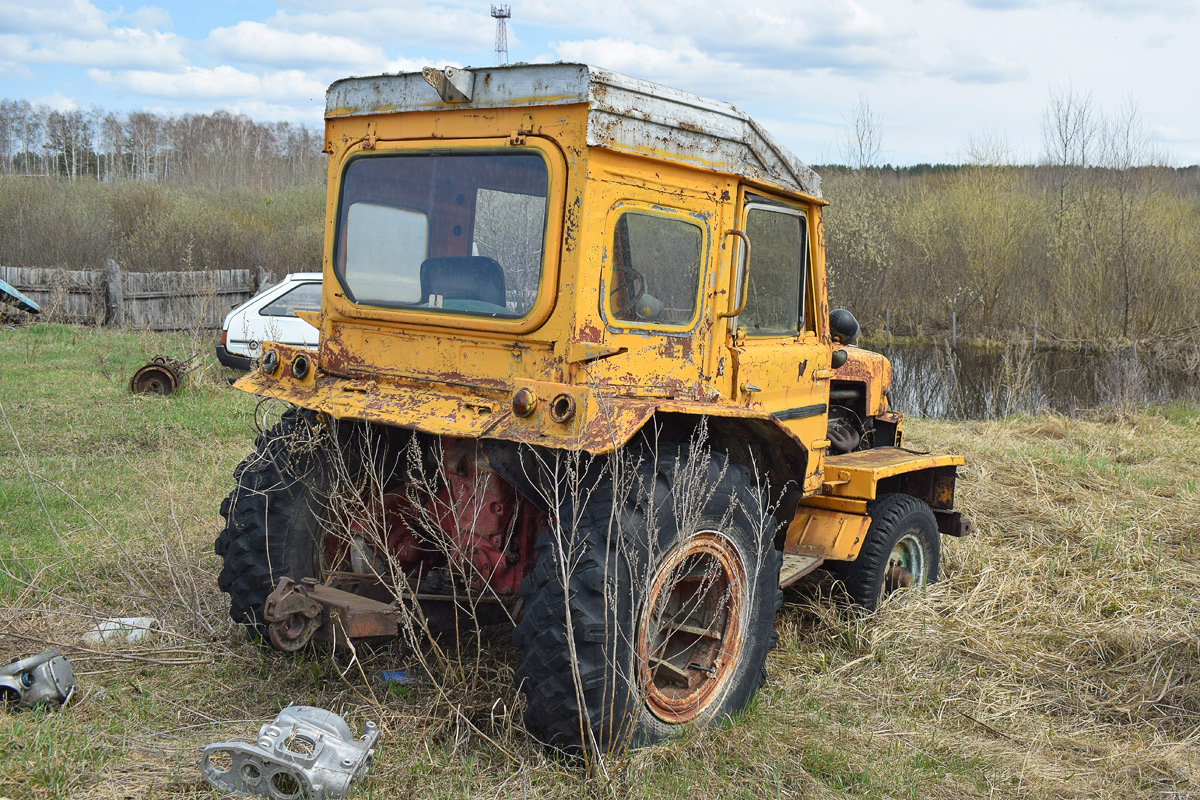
(502, 14)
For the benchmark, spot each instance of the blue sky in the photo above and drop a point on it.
(938, 73)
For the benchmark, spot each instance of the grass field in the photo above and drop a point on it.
(1057, 658)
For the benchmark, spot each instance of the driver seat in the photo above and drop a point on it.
(463, 277)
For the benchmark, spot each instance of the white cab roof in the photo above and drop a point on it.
(625, 113)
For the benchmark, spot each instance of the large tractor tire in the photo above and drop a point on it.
(902, 551)
(273, 517)
(639, 625)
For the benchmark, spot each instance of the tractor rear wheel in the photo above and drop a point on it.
(273, 517)
(643, 619)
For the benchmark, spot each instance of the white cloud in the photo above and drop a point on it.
(256, 43)
(402, 64)
(58, 101)
(150, 18)
(224, 83)
(121, 48)
(975, 65)
(391, 25)
(69, 17)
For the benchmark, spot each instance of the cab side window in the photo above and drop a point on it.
(654, 273)
(778, 264)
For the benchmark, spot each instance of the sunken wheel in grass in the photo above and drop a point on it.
(902, 551)
(272, 517)
(648, 615)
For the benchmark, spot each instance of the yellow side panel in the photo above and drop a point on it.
(857, 474)
(823, 533)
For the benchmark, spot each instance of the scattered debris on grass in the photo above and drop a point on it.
(127, 629)
(306, 752)
(42, 680)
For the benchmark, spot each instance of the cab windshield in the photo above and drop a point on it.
(460, 233)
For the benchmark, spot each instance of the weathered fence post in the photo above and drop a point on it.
(114, 295)
(1035, 336)
(954, 330)
(260, 280)
(887, 325)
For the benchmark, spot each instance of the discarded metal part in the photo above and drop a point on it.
(154, 379)
(295, 612)
(45, 679)
(13, 296)
(306, 752)
(163, 375)
(125, 629)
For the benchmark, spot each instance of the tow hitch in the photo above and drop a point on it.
(296, 613)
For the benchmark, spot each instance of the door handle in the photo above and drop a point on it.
(745, 277)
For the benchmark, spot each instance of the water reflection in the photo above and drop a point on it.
(931, 380)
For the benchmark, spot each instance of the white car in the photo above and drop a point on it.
(269, 317)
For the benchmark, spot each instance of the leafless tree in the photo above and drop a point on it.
(863, 144)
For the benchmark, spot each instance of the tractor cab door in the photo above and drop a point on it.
(653, 269)
(780, 363)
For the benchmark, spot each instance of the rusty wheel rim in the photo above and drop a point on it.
(689, 636)
(154, 379)
(906, 564)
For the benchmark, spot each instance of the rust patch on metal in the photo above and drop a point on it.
(689, 637)
(589, 332)
(825, 533)
(295, 613)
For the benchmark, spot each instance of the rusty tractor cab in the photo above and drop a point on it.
(537, 270)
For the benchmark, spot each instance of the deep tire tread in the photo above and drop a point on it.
(545, 673)
(892, 515)
(270, 520)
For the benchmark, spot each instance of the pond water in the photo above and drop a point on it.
(969, 382)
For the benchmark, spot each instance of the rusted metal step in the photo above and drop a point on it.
(796, 567)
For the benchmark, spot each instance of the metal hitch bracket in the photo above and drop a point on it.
(306, 752)
(45, 679)
(296, 612)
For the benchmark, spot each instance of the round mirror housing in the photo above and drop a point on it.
(843, 326)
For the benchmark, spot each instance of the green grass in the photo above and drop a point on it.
(82, 460)
(1056, 658)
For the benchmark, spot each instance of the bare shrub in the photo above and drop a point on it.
(1016, 379)
(1122, 381)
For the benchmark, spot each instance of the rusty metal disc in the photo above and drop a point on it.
(154, 379)
(689, 639)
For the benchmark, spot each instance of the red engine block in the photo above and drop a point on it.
(484, 530)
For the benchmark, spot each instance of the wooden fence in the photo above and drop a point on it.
(159, 301)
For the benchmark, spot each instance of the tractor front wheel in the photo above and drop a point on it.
(902, 551)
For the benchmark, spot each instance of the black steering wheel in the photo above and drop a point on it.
(630, 281)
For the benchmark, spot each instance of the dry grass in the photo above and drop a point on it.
(1057, 658)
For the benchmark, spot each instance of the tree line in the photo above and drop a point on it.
(1097, 242)
(213, 150)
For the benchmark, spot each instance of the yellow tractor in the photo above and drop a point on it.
(576, 363)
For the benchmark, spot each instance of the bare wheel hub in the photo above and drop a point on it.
(906, 564)
(689, 635)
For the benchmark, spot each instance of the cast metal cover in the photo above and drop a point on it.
(306, 752)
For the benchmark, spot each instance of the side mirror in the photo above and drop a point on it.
(843, 326)
(840, 356)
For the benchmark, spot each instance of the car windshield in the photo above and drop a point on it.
(461, 233)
